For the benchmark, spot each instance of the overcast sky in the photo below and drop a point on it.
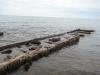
(51, 8)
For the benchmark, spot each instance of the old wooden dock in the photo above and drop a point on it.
(23, 53)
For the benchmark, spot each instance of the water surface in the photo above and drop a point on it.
(80, 59)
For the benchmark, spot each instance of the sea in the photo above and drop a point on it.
(80, 59)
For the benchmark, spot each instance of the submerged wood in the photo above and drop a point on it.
(34, 41)
(81, 31)
(14, 64)
(6, 51)
(73, 31)
(37, 51)
(54, 39)
(79, 34)
(86, 30)
(1, 33)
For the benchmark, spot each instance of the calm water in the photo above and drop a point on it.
(80, 59)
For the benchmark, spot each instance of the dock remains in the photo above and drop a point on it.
(24, 53)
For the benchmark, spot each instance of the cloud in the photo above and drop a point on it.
(57, 8)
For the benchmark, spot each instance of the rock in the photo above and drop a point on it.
(54, 39)
(6, 51)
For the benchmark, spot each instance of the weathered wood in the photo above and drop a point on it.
(80, 34)
(54, 39)
(86, 30)
(6, 51)
(34, 41)
(1, 33)
(34, 53)
(73, 31)
(17, 62)
(81, 31)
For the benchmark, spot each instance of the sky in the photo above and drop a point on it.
(51, 8)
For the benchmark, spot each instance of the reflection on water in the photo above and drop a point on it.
(81, 59)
